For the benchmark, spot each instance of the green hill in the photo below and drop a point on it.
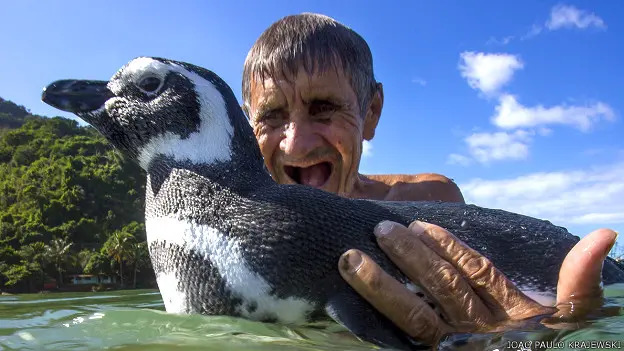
(63, 186)
(12, 115)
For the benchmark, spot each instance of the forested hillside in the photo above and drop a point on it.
(69, 204)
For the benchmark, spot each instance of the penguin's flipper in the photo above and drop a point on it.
(356, 314)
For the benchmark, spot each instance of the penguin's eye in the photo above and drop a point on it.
(149, 84)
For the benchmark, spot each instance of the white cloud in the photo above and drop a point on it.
(488, 72)
(535, 30)
(565, 198)
(594, 218)
(506, 40)
(565, 16)
(511, 114)
(543, 131)
(419, 81)
(457, 159)
(367, 148)
(487, 147)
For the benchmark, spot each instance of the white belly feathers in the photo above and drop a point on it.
(225, 254)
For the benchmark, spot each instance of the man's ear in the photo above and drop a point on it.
(373, 113)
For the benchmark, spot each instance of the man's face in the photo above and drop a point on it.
(309, 129)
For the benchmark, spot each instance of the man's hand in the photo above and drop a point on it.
(579, 289)
(472, 293)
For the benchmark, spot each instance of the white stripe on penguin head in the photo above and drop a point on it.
(211, 143)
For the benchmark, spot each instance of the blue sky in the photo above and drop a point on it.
(519, 102)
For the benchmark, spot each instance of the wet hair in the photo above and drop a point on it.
(315, 42)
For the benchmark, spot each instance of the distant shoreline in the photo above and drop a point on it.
(78, 290)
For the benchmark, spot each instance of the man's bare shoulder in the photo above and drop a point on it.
(419, 187)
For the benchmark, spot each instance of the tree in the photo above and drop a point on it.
(99, 264)
(34, 257)
(58, 253)
(119, 246)
(61, 180)
(29, 271)
(139, 257)
(17, 273)
(82, 259)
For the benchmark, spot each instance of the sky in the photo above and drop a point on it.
(521, 103)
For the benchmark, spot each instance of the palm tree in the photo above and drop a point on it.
(139, 256)
(82, 258)
(58, 253)
(34, 255)
(99, 264)
(119, 246)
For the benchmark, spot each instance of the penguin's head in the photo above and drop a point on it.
(157, 107)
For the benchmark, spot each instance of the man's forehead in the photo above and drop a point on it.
(332, 80)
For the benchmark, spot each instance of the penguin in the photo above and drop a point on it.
(225, 239)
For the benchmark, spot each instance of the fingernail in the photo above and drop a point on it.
(350, 262)
(418, 227)
(384, 228)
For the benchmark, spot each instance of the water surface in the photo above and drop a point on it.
(135, 320)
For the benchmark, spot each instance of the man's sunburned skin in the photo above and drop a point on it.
(309, 121)
(407, 187)
(310, 128)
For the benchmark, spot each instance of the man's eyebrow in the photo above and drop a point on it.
(326, 98)
(266, 106)
(330, 98)
(323, 93)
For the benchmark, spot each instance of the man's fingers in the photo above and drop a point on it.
(391, 298)
(438, 277)
(498, 292)
(581, 271)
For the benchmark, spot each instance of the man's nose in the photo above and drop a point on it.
(299, 139)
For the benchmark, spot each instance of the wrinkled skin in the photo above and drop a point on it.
(451, 272)
(310, 131)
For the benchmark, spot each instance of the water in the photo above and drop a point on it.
(135, 320)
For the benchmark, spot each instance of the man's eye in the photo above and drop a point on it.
(273, 118)
(321, 108)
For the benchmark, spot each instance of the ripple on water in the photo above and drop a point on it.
(37, 319)
(136, 321)
(52, 299)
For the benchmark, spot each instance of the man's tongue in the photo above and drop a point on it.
(315, 175)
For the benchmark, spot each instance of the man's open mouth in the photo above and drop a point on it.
(315, 175)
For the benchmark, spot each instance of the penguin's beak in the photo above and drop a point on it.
(76, 96)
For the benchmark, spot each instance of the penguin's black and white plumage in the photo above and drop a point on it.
(225, 239)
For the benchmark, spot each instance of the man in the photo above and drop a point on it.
(311, 96)
(332, 113)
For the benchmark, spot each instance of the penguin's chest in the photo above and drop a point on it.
(199, 269)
